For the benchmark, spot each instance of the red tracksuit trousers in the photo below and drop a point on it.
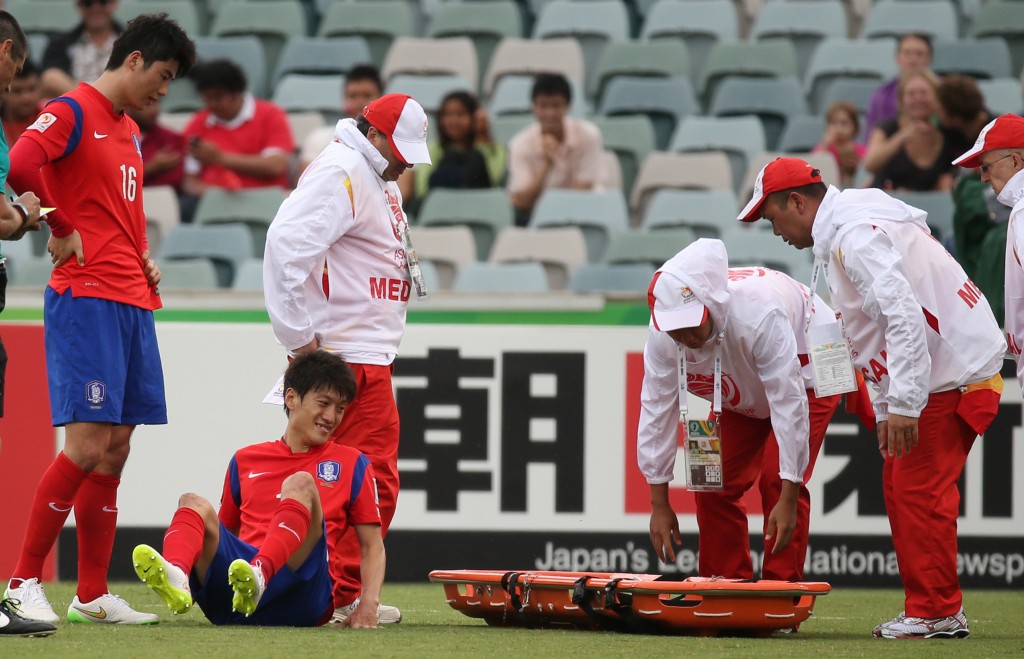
(370, 425)
(749, 450)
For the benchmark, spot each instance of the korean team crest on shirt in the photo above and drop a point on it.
(138, 144)
(43, 121)
(95, 392)
(328, 471)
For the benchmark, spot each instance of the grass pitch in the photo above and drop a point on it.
(841, 626)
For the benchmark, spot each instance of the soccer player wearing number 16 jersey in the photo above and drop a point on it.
(82, 155)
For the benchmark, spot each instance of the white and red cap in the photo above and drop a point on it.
(404, 122)
(779, 174)
(1005, 132)
(673, 304)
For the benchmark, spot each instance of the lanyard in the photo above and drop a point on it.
(716, 402)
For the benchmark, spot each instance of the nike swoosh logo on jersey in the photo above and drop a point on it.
(58, 508)
(109, 510)
(99, 615)
(98, 136)
(290, 530)
(254, 474)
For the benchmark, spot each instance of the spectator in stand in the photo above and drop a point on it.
(557, 151)
(840, 139)
(913, 54)
(237, 141)
(163, 150)
(81, 54)
(464, 155)
(362, 85)
(911, 152)
(22, 102)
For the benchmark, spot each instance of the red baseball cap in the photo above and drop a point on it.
(404, 122)
(779, 174)
(673, 304)
(1005, 132)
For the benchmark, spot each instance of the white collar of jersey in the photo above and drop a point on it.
(347, 133)
(1013, 191)
(857, 205)
(247, 112)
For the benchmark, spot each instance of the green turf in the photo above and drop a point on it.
(841, 627)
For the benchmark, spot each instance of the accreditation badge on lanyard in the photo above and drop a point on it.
(828, 349)
(703, 447)
(401, 226)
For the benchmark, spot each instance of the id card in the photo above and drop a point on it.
(703, 456)
(830, 358)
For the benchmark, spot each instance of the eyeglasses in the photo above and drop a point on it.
(985, 166)
(89, 3)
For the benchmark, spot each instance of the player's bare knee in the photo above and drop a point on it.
(200, 505)
(301, 487)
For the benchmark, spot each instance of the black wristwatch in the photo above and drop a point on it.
(24, 214)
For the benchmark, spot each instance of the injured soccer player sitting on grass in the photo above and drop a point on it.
(263, 559)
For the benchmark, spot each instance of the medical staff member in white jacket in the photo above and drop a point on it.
(771, 426)
(925, 336)
(336, 277)
(999, 153)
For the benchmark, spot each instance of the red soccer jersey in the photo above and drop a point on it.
(98, 186)
(266, 131)
(344, 478)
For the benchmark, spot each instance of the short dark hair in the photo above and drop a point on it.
(960, 96)
(551, 84)
(320, 371)
(362, 124)
(159, 38)
(222, 74)
(920, 36)
(847, 108)
(469, 104)
(814, 191)
(10, 29)
(364, 72)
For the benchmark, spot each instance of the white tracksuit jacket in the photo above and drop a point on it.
(1013, 196)
(762, 314)
(334, 265)
(915, 322)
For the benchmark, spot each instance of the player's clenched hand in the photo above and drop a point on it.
(364, 617)
(62, 249)
(902, 435)
(151, 269)
(665, 532)
(31, 203)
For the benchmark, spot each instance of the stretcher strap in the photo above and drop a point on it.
(622, 604)
(509, 583)
(607, 623)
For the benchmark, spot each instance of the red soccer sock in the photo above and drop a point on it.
(54, 498)
(96, 515)
(184, 539)
(288, 528)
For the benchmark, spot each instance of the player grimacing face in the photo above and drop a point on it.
(149, 83)
(313, 417)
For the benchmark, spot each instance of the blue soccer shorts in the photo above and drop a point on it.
(102, 362)
(302, 598)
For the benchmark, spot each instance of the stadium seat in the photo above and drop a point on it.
(560, 250)
(802, 133)
(430, 57)
(486, 23)
(272, 21)
(245, 51)
(686, 171)
(505, 128)
(773, 100)
(853, 90)
(1006, 20)
(938, 205)
(318, 56)
(600, 22)
(612, 171)
(771, 59)
(182, 96)
(754, 248)
(631, 138)
(1003, 95)
(512, 95)
(186, 12)
(253, 207)
(708, 213)
(935, 18)
(665, 101)
(526, 57)
(249, 276)
(226, 245)
(49, 18)
(449, 248)
(30, 272)
(699, 23)
(598, 214)
(378, 22)
(163, 213)
(36, 47)
(740, 138)
(632, 279)
(297, 92)
(651, 248)
(804, 24)
(304, 123)
(486, 212)
(189, 274)
(176, 121)
(986, 58)
(655, 59)
(429, 91)
(844, 58)
(501, 278)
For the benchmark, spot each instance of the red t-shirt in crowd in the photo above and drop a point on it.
(159, 138)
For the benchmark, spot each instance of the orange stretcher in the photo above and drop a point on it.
(644, 603)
